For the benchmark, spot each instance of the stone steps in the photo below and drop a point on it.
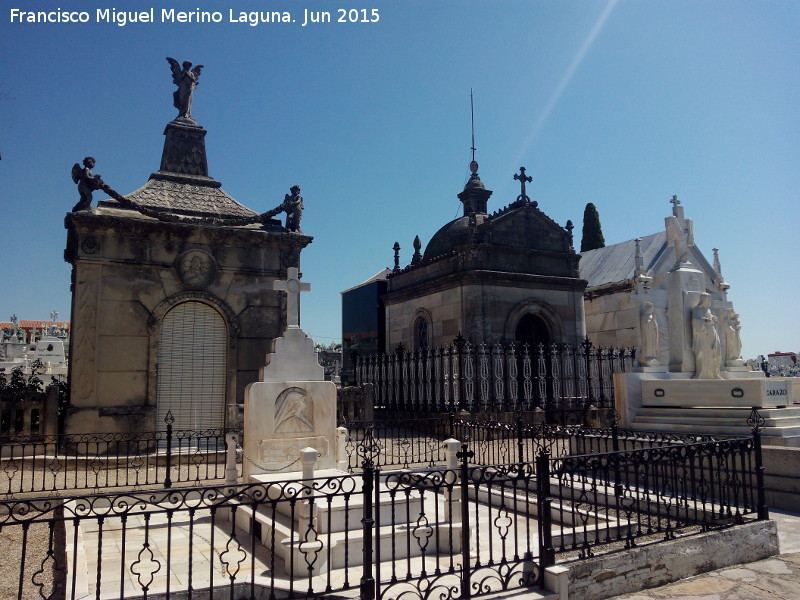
(338, 549)
(337, 539)
(779, 423)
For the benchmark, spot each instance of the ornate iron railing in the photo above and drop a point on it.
(405, 442)
(456, 530)
(53, 463)
(494, 378)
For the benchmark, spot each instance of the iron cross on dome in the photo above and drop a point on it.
(522, 178)
(292, 286)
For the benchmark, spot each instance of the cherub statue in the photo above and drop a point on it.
(293, 206)
(186, 80)
(87, 183)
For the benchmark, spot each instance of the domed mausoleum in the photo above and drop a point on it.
(507, 276)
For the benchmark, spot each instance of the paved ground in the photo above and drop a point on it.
(776, 578)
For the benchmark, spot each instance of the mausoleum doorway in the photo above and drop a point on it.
(532, 330)
(192, 362)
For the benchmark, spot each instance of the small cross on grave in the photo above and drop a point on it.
(522, 178)
(292, 286)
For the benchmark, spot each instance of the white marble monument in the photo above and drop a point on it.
(290, 408)
(695, 379)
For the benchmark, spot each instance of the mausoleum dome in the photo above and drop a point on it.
(455, 233)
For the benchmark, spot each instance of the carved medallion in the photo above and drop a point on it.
(197, 268)
(89, 244)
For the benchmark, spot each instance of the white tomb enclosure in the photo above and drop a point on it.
(662, 295)
(293, 448)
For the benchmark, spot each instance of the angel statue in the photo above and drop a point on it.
(186, 80)
(87, 183)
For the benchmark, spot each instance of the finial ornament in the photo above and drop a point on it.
(675, 201)
(522, 178)
(186, 80)
(396, 249)
(417, 257)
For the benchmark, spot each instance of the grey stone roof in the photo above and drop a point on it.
(617, 263)
(188, 199)
(452, 234)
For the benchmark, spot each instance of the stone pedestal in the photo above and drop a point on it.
(184, 150)
(673, 402)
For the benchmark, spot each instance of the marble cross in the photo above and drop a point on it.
(292, 286)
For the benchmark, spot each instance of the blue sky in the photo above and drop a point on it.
(622, 104)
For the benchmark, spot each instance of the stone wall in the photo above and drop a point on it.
(661, 563)
(486, 306)
(782, 477)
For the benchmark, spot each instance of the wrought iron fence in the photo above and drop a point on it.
(457, 529)
(53, 463)
(627, 495)
(404, 442)
(494, 378)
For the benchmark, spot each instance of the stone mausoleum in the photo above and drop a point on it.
(509, 276)
(624, 278)
(173, 304)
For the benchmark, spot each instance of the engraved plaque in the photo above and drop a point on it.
(283, 452)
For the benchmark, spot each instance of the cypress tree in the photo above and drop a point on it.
(592, 231)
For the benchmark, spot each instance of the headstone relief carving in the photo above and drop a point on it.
(293, 411)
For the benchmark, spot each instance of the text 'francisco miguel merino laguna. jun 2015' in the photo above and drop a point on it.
(124, 18)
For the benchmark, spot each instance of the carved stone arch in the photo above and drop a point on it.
(421, 329)
(538, 309)
(232, 326)
(157, 316)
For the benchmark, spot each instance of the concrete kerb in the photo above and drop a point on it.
(658, 564)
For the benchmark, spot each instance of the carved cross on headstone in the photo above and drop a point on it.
(292, 286)
(522, 178)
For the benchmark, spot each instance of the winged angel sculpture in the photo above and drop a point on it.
(186, 80)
